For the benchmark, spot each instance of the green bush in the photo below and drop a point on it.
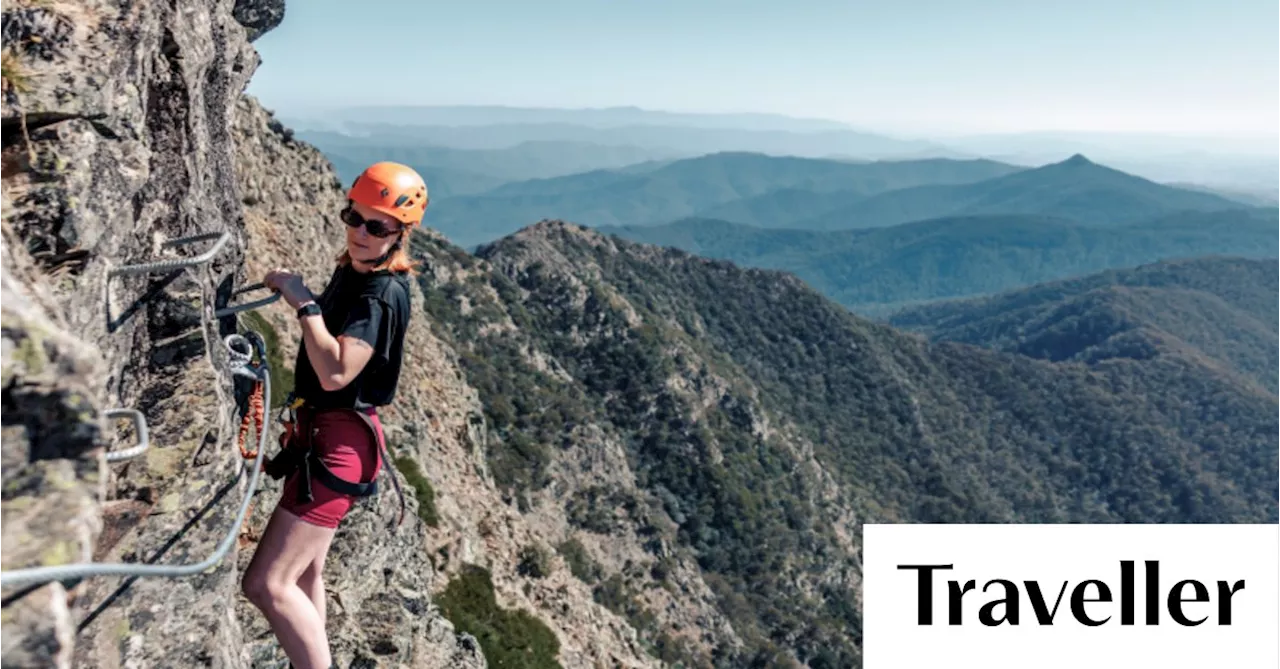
(534, 561)
(421, 487)
(580, 563)
(507, 638)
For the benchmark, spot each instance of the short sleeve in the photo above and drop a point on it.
(370, 322)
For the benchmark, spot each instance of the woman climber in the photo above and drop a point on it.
(348, 365)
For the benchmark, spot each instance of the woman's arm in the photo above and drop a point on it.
(337, 361)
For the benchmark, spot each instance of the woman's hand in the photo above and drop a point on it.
(289, 285)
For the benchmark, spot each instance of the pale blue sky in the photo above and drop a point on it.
(904, 66)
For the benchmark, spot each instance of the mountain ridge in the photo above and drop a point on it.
(694, 140)
(872, 270)
(1072, 188)
(596, 117)
(1218, 307)
(658, 193)
(524, 161)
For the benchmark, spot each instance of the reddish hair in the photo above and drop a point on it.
(399, 262)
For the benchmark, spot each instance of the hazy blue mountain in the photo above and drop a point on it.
(1173, 152)
(676, 139)
(875, 271)
(790, 207)
(661, 192)
(1231, 163)
(1076, 188)
(442, 182)
(608, 117)
(1252, 198)
(480, 170)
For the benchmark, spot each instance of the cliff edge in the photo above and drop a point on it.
(122, 123)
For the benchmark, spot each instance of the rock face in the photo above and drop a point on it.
(118, 136)
(51, 507)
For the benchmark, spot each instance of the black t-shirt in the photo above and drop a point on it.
(373, 307)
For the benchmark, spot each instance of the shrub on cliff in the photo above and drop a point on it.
(508, 638)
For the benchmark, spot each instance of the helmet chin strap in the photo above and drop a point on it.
(384, 257)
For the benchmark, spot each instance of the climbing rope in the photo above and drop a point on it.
(256, 415)
(257, 409)
(241, 364)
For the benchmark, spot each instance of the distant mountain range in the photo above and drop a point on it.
(877, 271)
(686, 140)
(453, 172)
(1075, 188)
(813, 194)
(949, 227)
(662, 192)
(609, 117)
(1232, 164)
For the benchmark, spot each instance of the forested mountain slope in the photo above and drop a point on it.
(1222, 309)
(750, 425)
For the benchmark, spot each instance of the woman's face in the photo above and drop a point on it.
(364, 246)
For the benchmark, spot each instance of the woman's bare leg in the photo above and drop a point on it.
(312, 583)
(287, 548)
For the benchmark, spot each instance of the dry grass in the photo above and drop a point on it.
(12, 75)
(14, 78)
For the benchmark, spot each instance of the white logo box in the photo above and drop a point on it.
(1087, 596)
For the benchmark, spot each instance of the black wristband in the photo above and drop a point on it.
(309, 309)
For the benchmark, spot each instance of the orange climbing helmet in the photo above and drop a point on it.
(393, 189)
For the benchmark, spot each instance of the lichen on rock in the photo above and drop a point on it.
(51, 437)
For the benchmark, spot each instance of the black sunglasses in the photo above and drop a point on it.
(374, 226)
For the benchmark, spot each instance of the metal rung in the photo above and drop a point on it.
(70, 572)
(161, 265)
(139, 424)
(256, 304)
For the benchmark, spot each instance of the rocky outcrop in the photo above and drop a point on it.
(258, 16)
(118, 136)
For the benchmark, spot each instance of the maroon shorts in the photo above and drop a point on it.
(343, 442)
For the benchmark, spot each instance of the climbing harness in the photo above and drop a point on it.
(297, 452)
(239, 366)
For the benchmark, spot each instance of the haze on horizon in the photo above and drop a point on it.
(910, 67)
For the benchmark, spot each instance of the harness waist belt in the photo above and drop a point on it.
(313, 467)
(298, 452)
